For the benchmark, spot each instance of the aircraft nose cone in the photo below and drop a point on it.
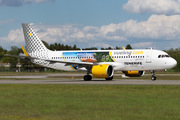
(173, 62)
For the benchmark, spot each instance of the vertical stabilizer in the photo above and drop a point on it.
(33, 43)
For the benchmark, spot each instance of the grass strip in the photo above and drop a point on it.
(87, 102)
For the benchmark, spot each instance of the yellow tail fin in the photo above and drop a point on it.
(26, 54)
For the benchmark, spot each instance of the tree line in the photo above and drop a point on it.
(25, 65)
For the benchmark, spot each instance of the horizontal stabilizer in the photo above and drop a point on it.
(21, 56)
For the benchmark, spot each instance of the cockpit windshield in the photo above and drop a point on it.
(163, 56)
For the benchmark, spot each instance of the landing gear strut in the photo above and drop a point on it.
(153, 78)
(88, 77)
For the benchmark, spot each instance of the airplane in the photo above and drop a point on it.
(99, 63)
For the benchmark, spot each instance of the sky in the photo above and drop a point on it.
(93, 23)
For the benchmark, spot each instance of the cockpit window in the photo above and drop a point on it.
(163, 56)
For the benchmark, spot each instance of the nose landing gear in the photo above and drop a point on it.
(153, 78)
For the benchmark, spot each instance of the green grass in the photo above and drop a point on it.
(87, 102)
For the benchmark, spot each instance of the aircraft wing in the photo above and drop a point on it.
(83, 64)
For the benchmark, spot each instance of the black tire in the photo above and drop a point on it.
(87, 78)
(90, 77)
(153, 78)
(111, 78)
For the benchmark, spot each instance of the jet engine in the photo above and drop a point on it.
(102, 71)
(134, 73)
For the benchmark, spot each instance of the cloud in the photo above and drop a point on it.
(7, 21)
(17, 3)
(14, 36)
(68, 34)
(158, 28)
(169, 7)
(101, 45)
(142, 45)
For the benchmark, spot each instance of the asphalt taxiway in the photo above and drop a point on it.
(99, 82)
(44, 79)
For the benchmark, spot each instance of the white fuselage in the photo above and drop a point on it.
(123, 60)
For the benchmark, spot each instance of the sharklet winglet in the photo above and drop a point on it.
(26, 54)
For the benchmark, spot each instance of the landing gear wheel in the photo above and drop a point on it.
(109, 78)
(87, 78)
(153, 78)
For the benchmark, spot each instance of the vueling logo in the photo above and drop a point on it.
(137, 52)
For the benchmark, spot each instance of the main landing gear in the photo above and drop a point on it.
(88, 77)
(153, 78)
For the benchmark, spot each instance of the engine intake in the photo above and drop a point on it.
(134, 73)
(102, 71)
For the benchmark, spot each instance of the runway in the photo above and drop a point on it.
(62, 79)
(94, 82)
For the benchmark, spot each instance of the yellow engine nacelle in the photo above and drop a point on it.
(102, 71)
(134, 73)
